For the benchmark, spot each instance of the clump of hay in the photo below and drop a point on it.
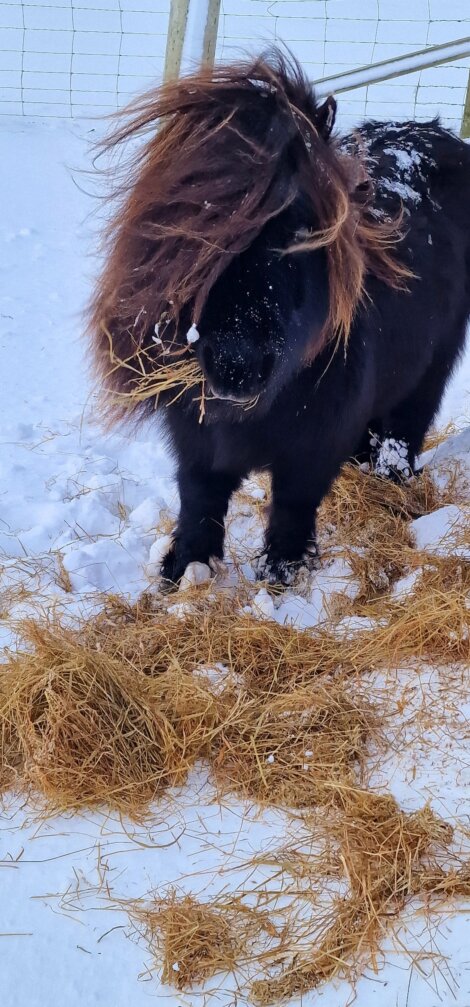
(151, 376)
(193, 940)
(83, 726)
(291, 938)
(291, 749)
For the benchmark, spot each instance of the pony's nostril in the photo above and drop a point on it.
(238, 374)
(266, 367)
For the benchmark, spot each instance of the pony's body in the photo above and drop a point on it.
(310, 411)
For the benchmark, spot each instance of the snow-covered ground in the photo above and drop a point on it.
(78, 513)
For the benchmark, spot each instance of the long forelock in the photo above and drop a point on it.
(201, 188)
(234, 147)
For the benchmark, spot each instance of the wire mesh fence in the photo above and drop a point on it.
(86, 57)
(332, 36)
(67, 58)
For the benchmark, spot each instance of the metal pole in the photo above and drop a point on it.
(396, 67)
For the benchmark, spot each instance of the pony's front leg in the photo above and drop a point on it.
(199, 535)
(297, 491)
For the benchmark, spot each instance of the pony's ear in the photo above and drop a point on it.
(325, 117)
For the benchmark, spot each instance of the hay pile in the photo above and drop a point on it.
(112, 713)
(82, 725)
(117, 709)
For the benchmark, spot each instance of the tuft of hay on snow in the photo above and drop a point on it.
(194, 940)
(289, 937)
(368, 520)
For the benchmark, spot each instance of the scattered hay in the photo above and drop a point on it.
(432, 623)
(112, 712)
(291, 750)
(388, 857)
(369, 522)
(292, 940)
(436, 435)
(119, 708)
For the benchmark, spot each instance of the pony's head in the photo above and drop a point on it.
(260, 317)
(240, 223)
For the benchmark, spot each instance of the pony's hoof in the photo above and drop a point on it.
(172, 570)
(281, 572)
(276, 573)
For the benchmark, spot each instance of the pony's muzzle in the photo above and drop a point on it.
(236, 374)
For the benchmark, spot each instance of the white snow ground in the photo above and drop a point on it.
(76, 503)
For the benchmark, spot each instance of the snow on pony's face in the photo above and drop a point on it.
(260, 317)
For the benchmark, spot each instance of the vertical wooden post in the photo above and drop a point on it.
(175, 38)
(466, 112)
(210, 32)
(192, 31)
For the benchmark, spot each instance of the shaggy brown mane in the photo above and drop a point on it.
(234, 146)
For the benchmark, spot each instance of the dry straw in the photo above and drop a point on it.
(283, 935)
(111, 712)
(387, 857)
(194, 941)
(149, 377)
(115, 710)
(368, 522)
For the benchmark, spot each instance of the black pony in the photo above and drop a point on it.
(317, 290)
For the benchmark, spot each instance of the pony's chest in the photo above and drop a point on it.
(241, 447)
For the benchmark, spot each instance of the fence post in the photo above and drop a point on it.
(175, 38)
(192, 35)
(210, 32)
(466, 113)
